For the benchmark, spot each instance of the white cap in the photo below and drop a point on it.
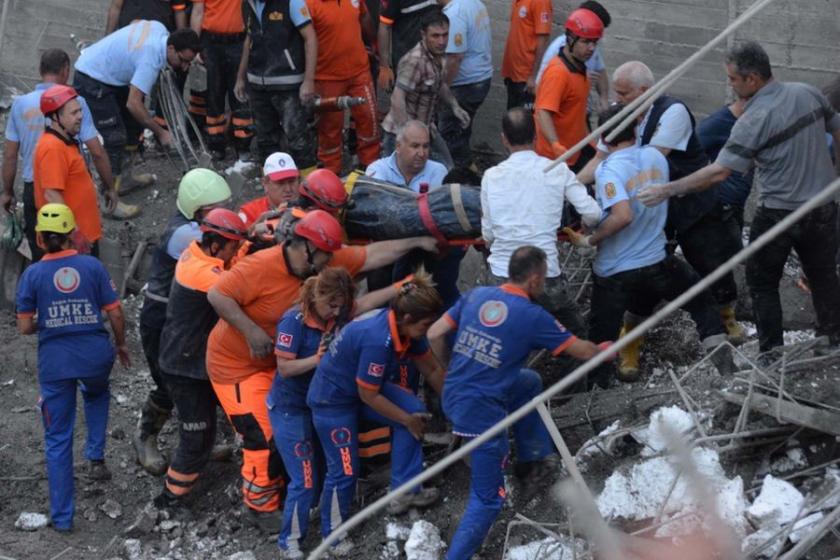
(279, 166)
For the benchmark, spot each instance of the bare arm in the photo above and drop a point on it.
(587, 174)
(101, 163)
(117, 320)
(10, 155)
(398, 106)
(137, 107)
(372, 300)
(53, 195)
(383, 39)
(431, 370)
(197, 17)
(437, 339)
(26, 324)
(698, 181)
(620, 216)
(542, 44)
(453, 64)
(546, 125)
(310, 47)
(292, 368)
(242, 71)
(582, 349)
(113, 16)
(181, 19)
(368, 28)
(378, 402)
(602, 86)
(383, 253)
(260, 344)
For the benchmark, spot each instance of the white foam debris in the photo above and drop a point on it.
(593, 446)
(28, 521)
(804, 526)
(794, 459)
(424, 542)
(241, 167)
(391, 551)
(547, 549)
(759, 538)
(778, 502)
(663, 420)
(397, 532)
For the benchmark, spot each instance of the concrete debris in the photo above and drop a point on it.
(547, 549)
(246, 555)
(794, 459)
(759, 538)
(397, 532)
(778, 502)
(653, 437)
(593, 446)
(391, 551)
(111, 508)
(424, 542)
(144, 523)
(804, 526)
(28, 521)
(169, 525)
(133, 549)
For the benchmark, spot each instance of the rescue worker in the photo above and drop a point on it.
(563, 92)
(303, 333)
(522, 205)
(706, 232)
(284, 187)
(62, 298)
(495, 330)
(791, 168)
(400, 27)
(527, 39)
(23, 130)
(351, 381)
(171, 13)
(59, 169)
(632, 272)
(250, 299)
(118, 72)
(219, 25)
(277, 77)
(596, 70)
(420, 84)
(199, 191)
(183, 346)
(343, 68)
(469, 70)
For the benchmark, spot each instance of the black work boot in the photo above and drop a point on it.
(152, 419)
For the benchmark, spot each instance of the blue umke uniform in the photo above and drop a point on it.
(497, 327)
(68, 292)
(291, 420)
(361, 354)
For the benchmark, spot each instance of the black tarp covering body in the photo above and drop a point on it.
(380, 211)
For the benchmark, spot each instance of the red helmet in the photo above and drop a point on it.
(55, 97)
(585, 24)
(325, 189)
(322, 229)
(224, 222)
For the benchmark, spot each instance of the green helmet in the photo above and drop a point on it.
(201, 187)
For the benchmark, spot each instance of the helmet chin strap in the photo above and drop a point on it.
(57, 120)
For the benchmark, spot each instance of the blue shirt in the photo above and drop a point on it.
(133, 55)
(68, 292)
(622, 176)
(361, 355)
(181, 239)
(386, 169)
(713, 132)
(594, 64)
(296, 340)
(26, 124)
(497, 327)
(469, 35)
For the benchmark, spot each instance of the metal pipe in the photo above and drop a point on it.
(824, 197)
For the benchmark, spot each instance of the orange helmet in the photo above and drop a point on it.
(322, 229)
(585, 24)
(325, 189)
(224, 222)
(56, 97)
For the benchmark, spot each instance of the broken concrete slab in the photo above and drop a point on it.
(801, 415)
(28, 521)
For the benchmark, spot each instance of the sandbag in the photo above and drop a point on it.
(380, 211)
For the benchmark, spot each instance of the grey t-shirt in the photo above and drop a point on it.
(782, 135)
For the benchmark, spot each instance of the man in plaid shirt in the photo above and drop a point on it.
(419, 85)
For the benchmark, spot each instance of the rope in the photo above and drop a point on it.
(826, 196)
(660, 87)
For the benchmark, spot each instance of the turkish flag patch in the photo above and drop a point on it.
(284, 339)
(376, 370)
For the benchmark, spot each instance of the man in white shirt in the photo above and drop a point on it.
(521, 205)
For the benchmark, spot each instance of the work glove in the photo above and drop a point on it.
(12, 233)
(577, 238)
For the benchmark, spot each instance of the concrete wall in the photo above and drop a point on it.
(801, 37)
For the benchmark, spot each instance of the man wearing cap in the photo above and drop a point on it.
(281, 181)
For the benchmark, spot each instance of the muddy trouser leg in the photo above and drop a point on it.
(196, 403)
(103, 102)
(711, 242)
(299, 134)
(337, 429)
(517, 95)
(470, 97)
(267, 121)
(609, 301)
(530, 434)
(158, 404)
(30, 218)
(133, 129)
(557, 301)
(213, 56)
(240, 113)
(815, 242)
(262, 468)
(487, 496)
(764, 272)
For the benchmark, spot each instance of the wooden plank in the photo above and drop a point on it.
(800, 415)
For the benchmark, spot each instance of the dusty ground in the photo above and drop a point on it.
(210, 527)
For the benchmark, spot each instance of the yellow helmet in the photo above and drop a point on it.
(55, 217)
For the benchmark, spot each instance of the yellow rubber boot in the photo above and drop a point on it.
(734, 330)
(628, 357)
